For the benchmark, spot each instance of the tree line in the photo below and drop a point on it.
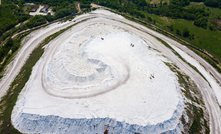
(176, 10)
(10, 15)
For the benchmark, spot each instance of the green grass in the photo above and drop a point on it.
(214, 12)
(204, 39)
(8, 101)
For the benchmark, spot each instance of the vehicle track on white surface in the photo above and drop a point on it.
(72, 94)
(207, 92)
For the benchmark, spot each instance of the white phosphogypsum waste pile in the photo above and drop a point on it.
(96, 78)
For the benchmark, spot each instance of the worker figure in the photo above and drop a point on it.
(102, 38)
(152, 75)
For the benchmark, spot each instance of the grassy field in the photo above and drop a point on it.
(204, 39)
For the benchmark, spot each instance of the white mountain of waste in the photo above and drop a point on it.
(100, 77)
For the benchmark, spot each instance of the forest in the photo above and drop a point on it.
(10, 15)
(176, 10)
(12, 12)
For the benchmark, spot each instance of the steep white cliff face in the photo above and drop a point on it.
(87, 84)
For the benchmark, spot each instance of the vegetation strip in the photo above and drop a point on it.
(8, 101)
(193, 67)
(195, 110)
(13, 45)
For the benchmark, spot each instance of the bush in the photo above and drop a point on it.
(170, 27)
(36, 21)
(149, 18)
(178, 32)
(212, 27)
(201, 22)
(186, 32)
(94, 8)
(191, 36)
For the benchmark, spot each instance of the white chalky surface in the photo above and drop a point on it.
(115, 73)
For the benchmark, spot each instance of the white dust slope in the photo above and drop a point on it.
(85, 84)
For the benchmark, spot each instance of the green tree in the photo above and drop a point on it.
(149, 18)
(201, 22)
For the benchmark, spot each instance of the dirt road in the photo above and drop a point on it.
(78, 7)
